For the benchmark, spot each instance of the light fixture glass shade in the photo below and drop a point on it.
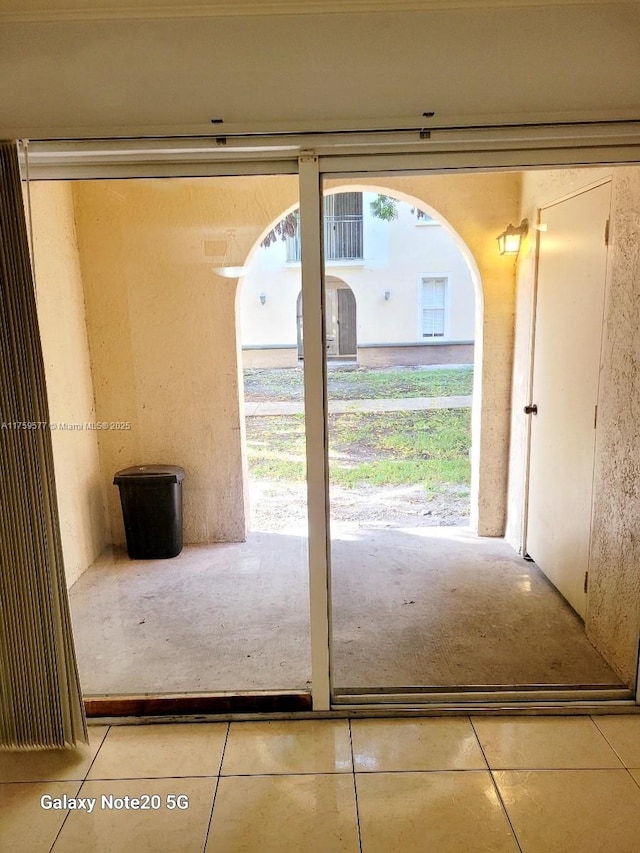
(510, 239)
(230, 272)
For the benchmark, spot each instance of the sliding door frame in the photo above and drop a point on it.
(315, 157)
(536, 698)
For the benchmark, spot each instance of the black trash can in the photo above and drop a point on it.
(151, 498)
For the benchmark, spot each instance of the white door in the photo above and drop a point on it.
(568, 336)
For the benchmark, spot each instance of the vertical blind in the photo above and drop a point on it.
(40, 700)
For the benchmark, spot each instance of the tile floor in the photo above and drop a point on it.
(532, 784)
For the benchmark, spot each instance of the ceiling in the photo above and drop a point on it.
(78, 10)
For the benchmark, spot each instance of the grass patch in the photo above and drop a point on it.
(433, 474)
(276, 448)
(400, 382)
(397, 448)
(361, 383)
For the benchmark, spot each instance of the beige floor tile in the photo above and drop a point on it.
(623, 733)
(572, 811)
(24, 823)
(46, 765)
(429, 744)
(294, 746)
(284, 814)
(124, 830)
(636, 775)
(538, 743)
(154, 751)
(440, 812)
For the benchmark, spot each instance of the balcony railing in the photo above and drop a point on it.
(342, 239)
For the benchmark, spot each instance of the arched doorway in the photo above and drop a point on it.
(340, 321)
(376, 316)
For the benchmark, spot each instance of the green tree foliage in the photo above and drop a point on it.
(384, 207)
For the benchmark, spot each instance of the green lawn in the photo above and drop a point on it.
(361, 383)
(428, 447)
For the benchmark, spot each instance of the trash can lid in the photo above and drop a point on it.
(149, 473)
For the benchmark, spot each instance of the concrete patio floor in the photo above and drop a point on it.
(413, 607)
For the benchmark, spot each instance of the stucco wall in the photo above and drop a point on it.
(61, 315)
(613, 614)
(162, 331)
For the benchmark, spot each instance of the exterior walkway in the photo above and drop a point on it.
(339, 407)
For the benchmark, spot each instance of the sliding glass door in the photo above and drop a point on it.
(427, 602)
(178, 347)
(343, 338)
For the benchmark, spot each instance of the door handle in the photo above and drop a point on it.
(531, 410)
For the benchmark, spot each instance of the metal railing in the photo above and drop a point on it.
(342, 239)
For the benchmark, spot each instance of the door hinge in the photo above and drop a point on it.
(595, 417)
(586, 581)
(606, 232)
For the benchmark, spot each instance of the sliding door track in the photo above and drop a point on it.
(474, 697)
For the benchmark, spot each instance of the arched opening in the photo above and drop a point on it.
(402, 293)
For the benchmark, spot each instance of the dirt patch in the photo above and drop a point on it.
(283, 506)
(394, 469)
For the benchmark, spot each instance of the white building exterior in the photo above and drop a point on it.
(398, 292)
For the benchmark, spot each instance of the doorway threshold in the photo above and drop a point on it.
(426, 702)
(171, 705)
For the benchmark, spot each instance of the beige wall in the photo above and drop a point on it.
(613, 614)
(162, 332)
(61, 314)
(613, 617)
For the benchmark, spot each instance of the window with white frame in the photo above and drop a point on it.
(433, 303)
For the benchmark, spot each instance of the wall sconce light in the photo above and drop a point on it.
(510, 239)
(263, 298)
(387, 295)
